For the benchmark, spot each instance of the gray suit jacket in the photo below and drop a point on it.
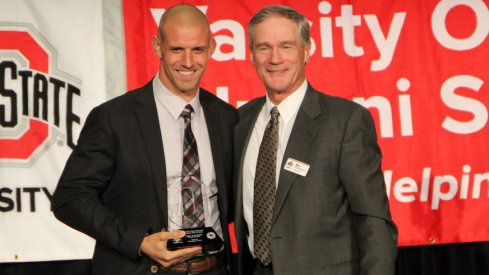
(113, 187)
(336, 219)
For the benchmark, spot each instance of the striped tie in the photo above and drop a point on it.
(193, 207)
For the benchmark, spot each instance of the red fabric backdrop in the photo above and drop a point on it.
(419, 66)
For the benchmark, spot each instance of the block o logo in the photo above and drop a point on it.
(30, 93)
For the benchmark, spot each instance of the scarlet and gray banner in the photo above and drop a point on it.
(52, 73)
(419, 66)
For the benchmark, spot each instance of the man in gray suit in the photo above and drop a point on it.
(310, 194)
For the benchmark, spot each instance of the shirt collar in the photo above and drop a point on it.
(172, 102)
(290, 105)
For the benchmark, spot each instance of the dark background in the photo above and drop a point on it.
(452, 259)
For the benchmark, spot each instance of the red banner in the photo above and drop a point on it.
(419, 66)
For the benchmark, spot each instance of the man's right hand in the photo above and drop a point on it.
(154, 246)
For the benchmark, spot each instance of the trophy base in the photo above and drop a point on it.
(200, 236)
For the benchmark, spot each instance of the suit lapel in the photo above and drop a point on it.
(213, 127)
(303, 132)
(147, 116)
(243, 132)
(242, 136)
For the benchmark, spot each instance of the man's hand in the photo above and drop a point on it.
(154, 246)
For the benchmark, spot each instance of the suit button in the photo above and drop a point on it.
(153, 269)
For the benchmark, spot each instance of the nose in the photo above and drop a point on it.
(188, 59)
(275, 55)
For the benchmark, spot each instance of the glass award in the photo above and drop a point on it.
(196, 236)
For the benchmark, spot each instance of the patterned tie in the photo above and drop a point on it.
(264, 189)
(193, 207)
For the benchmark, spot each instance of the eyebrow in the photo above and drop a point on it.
(287, 42)
(202, 47)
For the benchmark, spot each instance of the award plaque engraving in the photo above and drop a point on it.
(201, 236)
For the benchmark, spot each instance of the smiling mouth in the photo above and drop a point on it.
(186, 73)
(276, 72)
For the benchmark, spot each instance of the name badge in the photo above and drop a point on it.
(297, 167)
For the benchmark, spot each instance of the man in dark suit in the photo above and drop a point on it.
(310, 194)
(125, 182)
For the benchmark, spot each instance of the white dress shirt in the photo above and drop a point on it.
(169, 107)
(288, 110)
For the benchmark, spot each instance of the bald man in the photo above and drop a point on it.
(125, 184)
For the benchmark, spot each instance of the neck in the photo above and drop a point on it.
(187, 96)
(277, 97)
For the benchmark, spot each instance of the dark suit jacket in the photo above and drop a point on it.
(113, 187)
(336, 219)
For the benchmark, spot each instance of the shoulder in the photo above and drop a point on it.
(225, 110)
(336, 104)
(208, 97)
(122, 107)
(141, 95)
(347, 112)
(251, 106)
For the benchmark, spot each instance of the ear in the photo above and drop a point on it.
(307, 52)
(212, 46)
(157, 46)
(251, 58)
